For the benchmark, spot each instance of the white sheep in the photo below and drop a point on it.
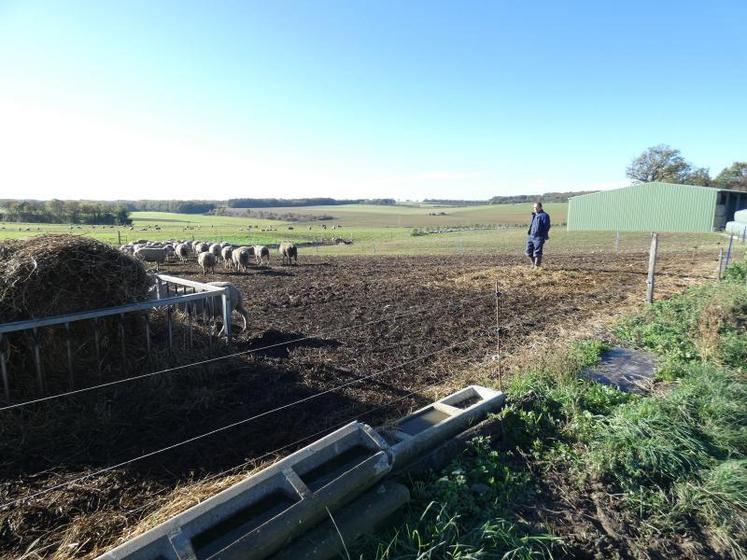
(225, 254)
(152, 254)
(262, 254)
(235, 302)
(215, 249)
(183, 251)
(240, 257)
(207, 261)
(288, 251)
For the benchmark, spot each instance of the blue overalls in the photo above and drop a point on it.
(538, 232)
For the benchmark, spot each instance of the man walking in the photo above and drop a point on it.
(538, 234)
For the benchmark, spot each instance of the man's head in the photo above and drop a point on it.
(537, 207)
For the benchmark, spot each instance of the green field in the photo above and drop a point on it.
(411, 216)
(374, 230)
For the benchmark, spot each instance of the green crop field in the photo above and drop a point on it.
(422, 215)
(374, 230)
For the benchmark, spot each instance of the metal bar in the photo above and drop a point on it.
(170, 323)
(37, 361)
(189, 324)
(4, 370)
(226, 315)
(720, 262)
(182, 282)
(97, 344)
(122, 339)
(69, 348)
(106, 312)
(147, 334)
(651, 268)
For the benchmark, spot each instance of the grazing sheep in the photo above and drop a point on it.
(202, 247)
(235, 302)
(215, 249)
(183, 251)
(240, 257)
(262, 254)
(288, 251)
(225, 254)
(151, 254)
(207, 261)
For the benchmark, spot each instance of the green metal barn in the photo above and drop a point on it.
(655, 207)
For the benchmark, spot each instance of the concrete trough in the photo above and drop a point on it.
(426, 428)
(259, 515)
(360, 517)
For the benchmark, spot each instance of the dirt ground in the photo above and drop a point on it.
(360, 318)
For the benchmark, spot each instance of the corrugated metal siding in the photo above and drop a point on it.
(646, 207)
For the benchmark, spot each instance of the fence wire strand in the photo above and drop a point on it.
(238, 423)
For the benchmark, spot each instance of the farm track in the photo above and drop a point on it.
(574, 293)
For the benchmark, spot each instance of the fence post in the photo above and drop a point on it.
(226, 314)
(720, 262)
(728, 252)
(651, 268)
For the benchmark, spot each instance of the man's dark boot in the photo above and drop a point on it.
(537, 262)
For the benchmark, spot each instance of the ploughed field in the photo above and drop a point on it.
(379, 336)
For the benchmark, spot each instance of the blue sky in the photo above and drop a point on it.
(361, 99)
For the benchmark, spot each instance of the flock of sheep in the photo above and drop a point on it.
(208, 254)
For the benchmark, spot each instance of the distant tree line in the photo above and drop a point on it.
(279, 202)
(270, 215)
(175, 206)
(530, 198)
(453, 202)
(512, 199)
(666, 164)
(64, 212)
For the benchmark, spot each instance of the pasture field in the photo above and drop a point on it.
(375, 230)
(411, 216)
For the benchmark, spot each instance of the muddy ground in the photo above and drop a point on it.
(360, 318)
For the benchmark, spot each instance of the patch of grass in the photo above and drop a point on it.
(706, 323)
(467, 513)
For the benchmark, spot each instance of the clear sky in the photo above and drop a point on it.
(403, 99)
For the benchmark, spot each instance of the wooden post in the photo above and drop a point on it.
(651, 268)
(119, 238)
(720, 262)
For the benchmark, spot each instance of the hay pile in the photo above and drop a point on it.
(58, 274)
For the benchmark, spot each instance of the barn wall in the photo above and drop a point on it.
(646, 207)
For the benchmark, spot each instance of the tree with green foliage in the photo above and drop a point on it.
(733, 177)
(666, 164)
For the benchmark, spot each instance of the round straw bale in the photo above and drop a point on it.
(58, 274)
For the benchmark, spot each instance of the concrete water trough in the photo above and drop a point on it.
(426, 428)
(260, 514)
